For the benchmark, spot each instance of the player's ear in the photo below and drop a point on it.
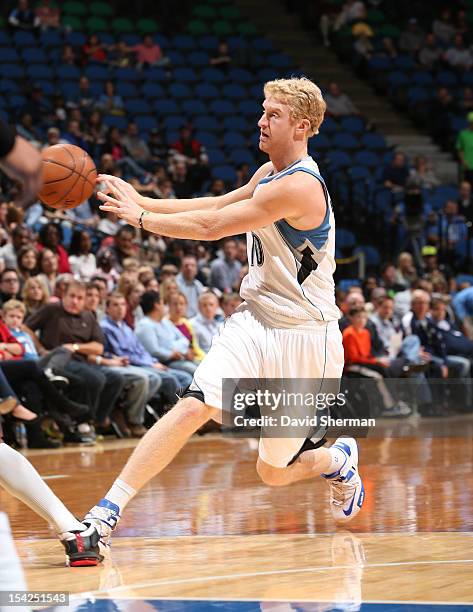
(302, 129)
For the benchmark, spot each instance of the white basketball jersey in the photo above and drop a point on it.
(290, 278)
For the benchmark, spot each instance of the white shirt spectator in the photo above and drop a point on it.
(205, 330)
(192, 290)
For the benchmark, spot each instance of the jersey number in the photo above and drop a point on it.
(257, 253)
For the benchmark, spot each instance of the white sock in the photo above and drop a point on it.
(20, 478)
(338, 460)
(120, 494)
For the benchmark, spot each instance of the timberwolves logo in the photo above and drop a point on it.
(257, 253)
(307, 262)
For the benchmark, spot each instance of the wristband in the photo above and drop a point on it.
(75, 347)
(98, 360)
(140, 221)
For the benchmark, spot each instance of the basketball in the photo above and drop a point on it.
(69, 175)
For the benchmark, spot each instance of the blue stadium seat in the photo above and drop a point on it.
(130, 39)
(173, 122)
(194, 107)
(359, 173)
(206, 91)
(366, 158)
(183, 42)
(199, 59)
(379, 64)
(233, 140)
(155, 74)
(226, 173)
(209, 43)
(171, 136)
(396, 79)
(48, 87)
(8, 87)
(115, 121)
(106, 38)
(177, 58)
(267, 74)
(185, 75)
(8, 55)
(5, 40)
(32, 55)
(250, 108)
(345, 283)
(468, 78)
(207, 124)
(16, 102)
(344, 239)
(69, 89)
(138, 106)
(262, 44)
(76, 39)
(339, 159)
(208, 139)
(465, 278)
(235, 124)
(127, 74)
(423, 78)
(236, 42)
(404, 63)
(166, 107)
(162, 40)
(97, 88)
(12, 71)
(234, 91)
(38, 72)
(240, 75)
(279, 60)
(371, 140)
(66, 72)
(416, 95)
(126, 90)
(329, 126)
(152, 90)
(97, 73)
(146, 123)
(24, 39)
(241, 156)
(222, 107)
(352, 124)
(345, 141)
(216, 156)
(372, 256)
(180, 90)
(447, 78)
(213, 75)
(458, 123)
(320, 143)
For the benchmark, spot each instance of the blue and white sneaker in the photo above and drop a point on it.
(347, 492)
(104, 517)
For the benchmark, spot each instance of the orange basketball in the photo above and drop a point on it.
(69, 175)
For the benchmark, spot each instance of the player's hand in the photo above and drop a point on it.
(122, 205)
(23, 164)
(115, 183)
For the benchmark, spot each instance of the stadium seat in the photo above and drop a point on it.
(121, 25)
(206, 91)
(185, 75)
(67, 72)
(344, 238)
(73, 23)
(166, 107)
(197, 27)
(246, 28)
(229, 12)
(279, 60)
(180, 90)
(147, 25)
(240, 75)
(208, 139)
(216, 156)
(173, 122)
(372, 256)
(5, 40)
(199, 59)
(222, 107)
(126, 90)
(213, 75)
(146, 123)
(69, 89)
(195, 107)
(51, 38)
(24, 39)
(345, 141)
(155, 74)
(101, 9)
(352, 124)
(182, 42)
(130, 39)
(222, 28)
(235, 124)
(367, 158)
(177, 58)
(208, 43)
(207, 124)
(8, 87)
(72, 7)
(37, 72)
(32, 55)
(127, 74)
(250, 108)
(12, 71)
(94, 25)
(97, 73)
(115, 121)
(137, 106)
(76, 39)
(233, 140)
(204, 11)
(241, 156)
(339, 159)
(446, 78)
(262, 44)
(236, 92)
(226, 173)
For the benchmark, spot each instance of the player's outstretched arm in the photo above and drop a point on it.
(285, 198)
(117, 186)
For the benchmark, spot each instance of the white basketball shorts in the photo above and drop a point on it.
(248, 348)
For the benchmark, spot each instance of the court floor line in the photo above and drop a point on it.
(302, 570)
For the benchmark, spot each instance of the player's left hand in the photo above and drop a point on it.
(121, 205)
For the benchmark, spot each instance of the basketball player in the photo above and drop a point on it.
(21, 161)
(287, 326)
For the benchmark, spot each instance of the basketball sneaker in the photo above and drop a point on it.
(347, 492)
(104, 517)
(82, 547)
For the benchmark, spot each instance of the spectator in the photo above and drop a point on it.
(27, 263)
(463, 305)
(123, 246)
(96, 132)
(353, 300)
(187, 146)
(182, 182)
(359, 359)
(338, 103)
(81, 259)
(158, 149)
(35, 294)
(74, 135)
(465, 149)
(443, 27)
(68, 56)
(465, 201)
(439, 116)
(221, 58)
(135, 145)
(458, 56)
(422, 174)
(162, 339)
(389, 279)
(111, 103)
(217, 188)
(50, 237)
(352, 10)
(149, 53)
(67, 324)
(47, 264)
(134, 313)
(225, 272)
(178, 315)
(9, 285)
(189, 285)
(205, 324)
(396, 174)
(430, 53)
(406, 272)
(48, 14)
(94, 302)
(29, 130)
(388, 48)
(230, 302)
(23, 18)
(20, 238)
(410, 40)
(93, 50)
(107, 267)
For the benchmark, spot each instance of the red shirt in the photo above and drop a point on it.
(62, 258)
(357, 346)
(6, 337)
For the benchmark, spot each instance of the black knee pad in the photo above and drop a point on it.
(196, 393)
(308, 445)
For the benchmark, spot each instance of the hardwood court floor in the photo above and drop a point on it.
(208, 529)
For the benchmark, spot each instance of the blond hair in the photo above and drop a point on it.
(302, 96)
(14, 305)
